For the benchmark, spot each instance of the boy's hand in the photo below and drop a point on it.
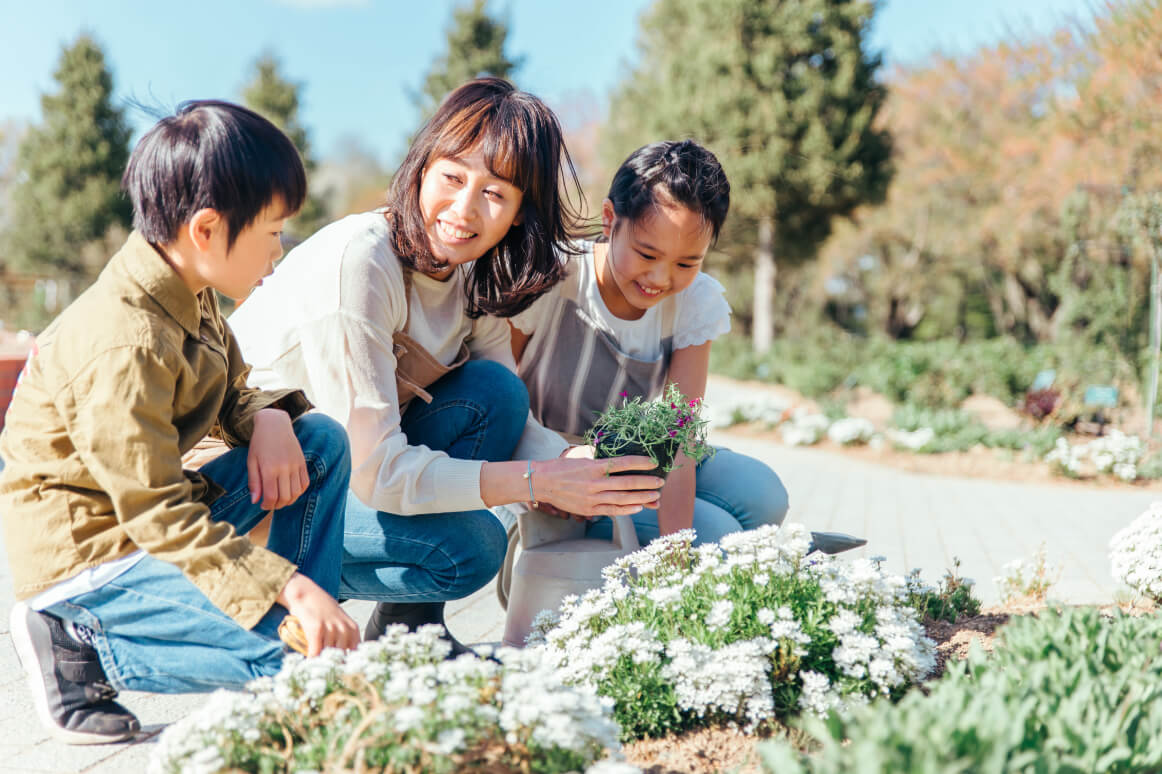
(324, 622)
(275, 464)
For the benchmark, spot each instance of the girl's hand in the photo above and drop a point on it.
(276, 470)
(324, 622)
(585, 487)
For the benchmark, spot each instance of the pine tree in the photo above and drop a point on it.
(785, 93)
(475, 47)
(67, 195)
(276, 98)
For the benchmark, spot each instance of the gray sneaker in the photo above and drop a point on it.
(69, 687)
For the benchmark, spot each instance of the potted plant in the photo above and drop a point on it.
(657, 429)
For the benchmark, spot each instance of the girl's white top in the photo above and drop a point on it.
(324, 321)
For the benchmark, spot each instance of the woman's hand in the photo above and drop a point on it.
(276, 470)
(324, 622)
(585, 487)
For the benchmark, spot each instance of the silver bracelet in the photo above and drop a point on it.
(529, 476)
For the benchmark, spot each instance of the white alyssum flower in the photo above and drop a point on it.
(804, 428)
(401, 693)
(720, 622)
(851, 430)
(913, 440)
(1136, 553)
(1117, 454)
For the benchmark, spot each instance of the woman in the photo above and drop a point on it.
(391, 321)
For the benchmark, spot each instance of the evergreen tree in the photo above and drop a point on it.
(475, 47)
(277, 98)
(786, 94)
(67, 195)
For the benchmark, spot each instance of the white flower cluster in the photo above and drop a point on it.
(1029, 578)
(731, 627)
(1136, 553)
(804, 428)
(398, 692)
(851, 430)
(725, 411)
(912, 440)
(1116, 453)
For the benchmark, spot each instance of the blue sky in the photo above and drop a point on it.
(359, 59)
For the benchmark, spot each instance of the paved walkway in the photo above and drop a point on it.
(914, 520)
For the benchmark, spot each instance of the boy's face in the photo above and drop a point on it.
(236, 271)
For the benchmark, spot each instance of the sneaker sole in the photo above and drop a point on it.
(22, 638)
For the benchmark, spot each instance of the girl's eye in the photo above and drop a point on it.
(495, 195)
(451, 178)
(645, 257)
(687, 266)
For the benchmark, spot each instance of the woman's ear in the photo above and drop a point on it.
(607, 216)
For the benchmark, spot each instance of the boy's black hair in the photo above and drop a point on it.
(672, 172)
(522, 142)
(211, 154)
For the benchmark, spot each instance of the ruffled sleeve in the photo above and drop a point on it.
(703, 313)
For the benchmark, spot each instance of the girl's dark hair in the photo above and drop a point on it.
(521, 142)
(211, 154)
(672, 172)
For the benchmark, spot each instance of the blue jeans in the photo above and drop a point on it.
(733, 493)
(478, 412)
(155, 631)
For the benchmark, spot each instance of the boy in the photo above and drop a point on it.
(133, 573)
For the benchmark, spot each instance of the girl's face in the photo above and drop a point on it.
(466, 209)
(657, 256)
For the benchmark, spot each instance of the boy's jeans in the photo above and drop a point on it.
(478, 412)
(155, 631)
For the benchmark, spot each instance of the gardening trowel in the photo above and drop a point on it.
(834, 542)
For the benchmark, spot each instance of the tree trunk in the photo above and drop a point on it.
(764, 286)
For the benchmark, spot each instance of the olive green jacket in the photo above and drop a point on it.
(125, 381)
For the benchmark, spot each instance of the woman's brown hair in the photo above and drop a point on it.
(521, 142)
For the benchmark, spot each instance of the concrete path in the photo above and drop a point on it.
(914, 520)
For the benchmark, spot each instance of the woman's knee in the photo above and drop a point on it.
(505, 393)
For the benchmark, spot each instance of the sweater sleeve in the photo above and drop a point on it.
(350, 363)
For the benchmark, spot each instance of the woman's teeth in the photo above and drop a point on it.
(453, 232)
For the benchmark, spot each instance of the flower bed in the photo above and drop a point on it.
(1136, 553)
(396, 703)
(743, 632)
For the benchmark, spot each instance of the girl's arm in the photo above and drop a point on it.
(688, 369)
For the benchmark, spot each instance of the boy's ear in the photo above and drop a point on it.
(203, 228)
(607, 216)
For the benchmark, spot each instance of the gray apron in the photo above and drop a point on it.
(574, 370)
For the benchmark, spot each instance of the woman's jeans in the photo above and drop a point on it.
(478, 412)
(733, 493)
(155, 631)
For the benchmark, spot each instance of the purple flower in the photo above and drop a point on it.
(673, 406)
(693, 403)
(673, 433)
(624, 394)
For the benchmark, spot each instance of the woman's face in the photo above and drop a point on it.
(466, 209)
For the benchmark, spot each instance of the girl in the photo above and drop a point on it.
(386, 320)
(635, 312)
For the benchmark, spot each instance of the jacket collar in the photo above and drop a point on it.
(146, 266)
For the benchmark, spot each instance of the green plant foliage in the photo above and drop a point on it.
(70, 169)
(659, 428)
(950, 601)
(272, 95)
(475, 47)
(1074, 691)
